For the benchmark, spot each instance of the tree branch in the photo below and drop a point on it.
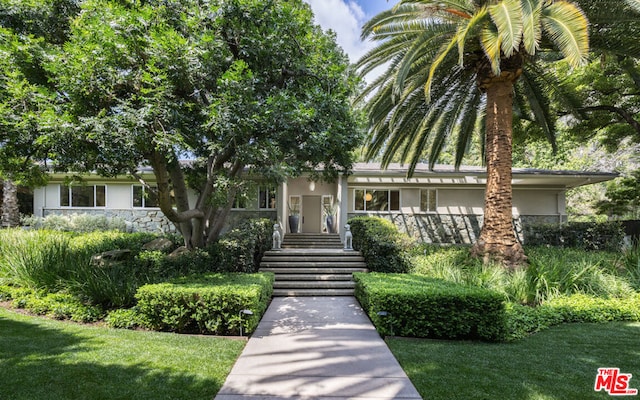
(628, 117)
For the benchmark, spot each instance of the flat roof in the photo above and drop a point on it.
(447, 174)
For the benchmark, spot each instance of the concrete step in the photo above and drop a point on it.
(288, 257)
(312, 292)
(314, 285)
(312, 270)
(314, 277)
(311, 240)
(312, 264)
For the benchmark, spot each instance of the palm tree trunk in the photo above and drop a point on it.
(10, 208)
(497, 237)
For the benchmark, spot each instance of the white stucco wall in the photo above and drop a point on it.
(470, 201)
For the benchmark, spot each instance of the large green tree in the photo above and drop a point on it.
(455, 62)
(240, 88)
(609, 86)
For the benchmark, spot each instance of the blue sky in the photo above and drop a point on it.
(346, 17)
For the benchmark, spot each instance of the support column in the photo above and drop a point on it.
(343, 206)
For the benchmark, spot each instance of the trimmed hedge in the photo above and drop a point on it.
(383, 247)
(209, 304)
(524, 320)
(241, 249)
(419, 306)
(582, 235)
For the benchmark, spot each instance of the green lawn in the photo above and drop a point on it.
(560, 363)
(47, 359)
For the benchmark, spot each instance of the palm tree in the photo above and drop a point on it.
(10, 214)
(455, 65)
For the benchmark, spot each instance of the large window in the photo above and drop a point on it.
(428, 200)
(239, 202)
(83, 196)
(267, 197)
(144, 198)
(377, 200)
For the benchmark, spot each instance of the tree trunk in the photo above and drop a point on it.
(10, 209)
(498, 240)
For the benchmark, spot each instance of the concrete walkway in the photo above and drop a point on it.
(316, 348)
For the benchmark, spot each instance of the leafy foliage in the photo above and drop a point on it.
(241, 88)
(581, 308)
(623, 197)
(585, 235)
(75, 223)
(53, 261)
(205, 304)
(383, 247)
(57, 305)
(424, 307)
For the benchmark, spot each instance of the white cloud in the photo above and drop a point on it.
(345, 18)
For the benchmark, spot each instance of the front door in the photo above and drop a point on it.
(311, 214)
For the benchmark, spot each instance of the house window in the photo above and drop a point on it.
(239, 202)
(377, 200)
(267, 197)
(428, 200)
(144, 198)
(83, 196)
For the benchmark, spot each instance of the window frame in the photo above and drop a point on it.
(70, 197)
(144, 198)
(270, 191)
(428, 210)
(389, 201)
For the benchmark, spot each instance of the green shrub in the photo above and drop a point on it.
(582, 235)
(36, 259)
(424, 307)
(383, 247)
(158, 266)
(98, 242)
(56, 305)
(630, 262)
(75, 223)
(123, 318)
(241, 249)
(206, 304)
(584, 308)
(551, 272)
(554, 272)
(524, 320)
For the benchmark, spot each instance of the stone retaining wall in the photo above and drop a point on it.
(454, 229)
(154, 220)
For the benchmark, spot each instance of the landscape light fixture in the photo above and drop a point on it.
(245, 312)
(384, 315)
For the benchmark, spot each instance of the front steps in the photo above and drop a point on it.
(313, 265)
(311, 241)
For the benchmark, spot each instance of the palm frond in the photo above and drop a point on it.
(436, 63)
(478, 19)
(567, 27)
(507, 17)
(635, 4)
(490, 41)
(468, 117)
(531, 29)
(531, 92)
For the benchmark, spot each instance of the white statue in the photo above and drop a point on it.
(277, 240)
(348, 237)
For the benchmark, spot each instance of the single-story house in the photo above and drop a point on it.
(443, 205)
